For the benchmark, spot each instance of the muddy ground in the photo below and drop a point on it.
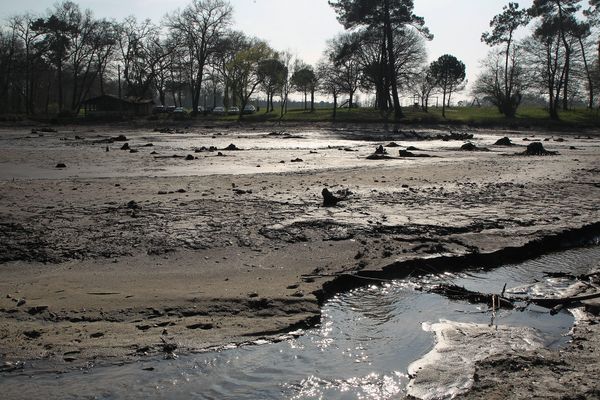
(124, 254)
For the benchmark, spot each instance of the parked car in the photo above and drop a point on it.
(249, 109)
(170, 109)
(233, 110)
(179, 110)
(159, 110)
(218, 110)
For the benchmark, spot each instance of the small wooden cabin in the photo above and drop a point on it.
(112, 105)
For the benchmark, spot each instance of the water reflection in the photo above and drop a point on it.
(367, 339)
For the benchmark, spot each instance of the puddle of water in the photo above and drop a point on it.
(362, 350)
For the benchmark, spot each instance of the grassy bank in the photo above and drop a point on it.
(527, 117)
(473, 116)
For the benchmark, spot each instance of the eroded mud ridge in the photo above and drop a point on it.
(121, 254)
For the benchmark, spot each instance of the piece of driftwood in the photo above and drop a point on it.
(552, 303)
(455, 292)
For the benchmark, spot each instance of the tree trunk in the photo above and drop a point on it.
(334, 105)
(392, 61)
(48, 97)
(567, 68)
(312, 100)
(196, 98)
(565, 101)
(268, 102)
(507, 85)
(444, 103)
(383, 89)
(101, 76)
(226, 96)
(305, 103)
(75, 89)
(60, 86)
(588, 74)
(30, 100)
(283, 105)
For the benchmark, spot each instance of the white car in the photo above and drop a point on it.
(249, 109)
(218, 110)
(233, 110)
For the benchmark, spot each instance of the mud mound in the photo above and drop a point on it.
(406, 153)
(505, 141)
(471, 147)
(377, 156)
(455, 136)
(537, 149)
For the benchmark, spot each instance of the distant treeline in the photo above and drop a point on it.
(50, 63)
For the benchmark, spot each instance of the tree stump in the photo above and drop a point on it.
(329, 200)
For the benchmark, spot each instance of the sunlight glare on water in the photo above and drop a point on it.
(362, 350)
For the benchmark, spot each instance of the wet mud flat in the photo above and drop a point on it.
(122, 254)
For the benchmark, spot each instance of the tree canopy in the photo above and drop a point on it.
(449, 73)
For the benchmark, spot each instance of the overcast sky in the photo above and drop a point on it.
(303, 26)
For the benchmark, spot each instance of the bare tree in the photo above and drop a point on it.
(9, 53)
(224, 52)
(161, 51)
(106, 43)
(35, 48)
(343, 52)
(200, 25)
(582, 33)
(423, 85)
(560, 17)
(287, 60)
(134, 44)
(330, 81)
(546, 60)
(504, 85)
(491, 82)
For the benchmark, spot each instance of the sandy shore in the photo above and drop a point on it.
(121, 252)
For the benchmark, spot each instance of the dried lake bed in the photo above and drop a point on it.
(123, 252)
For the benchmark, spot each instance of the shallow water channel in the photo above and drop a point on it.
(362, 350)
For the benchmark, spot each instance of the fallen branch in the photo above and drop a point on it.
(455, 292)
(552, 303)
